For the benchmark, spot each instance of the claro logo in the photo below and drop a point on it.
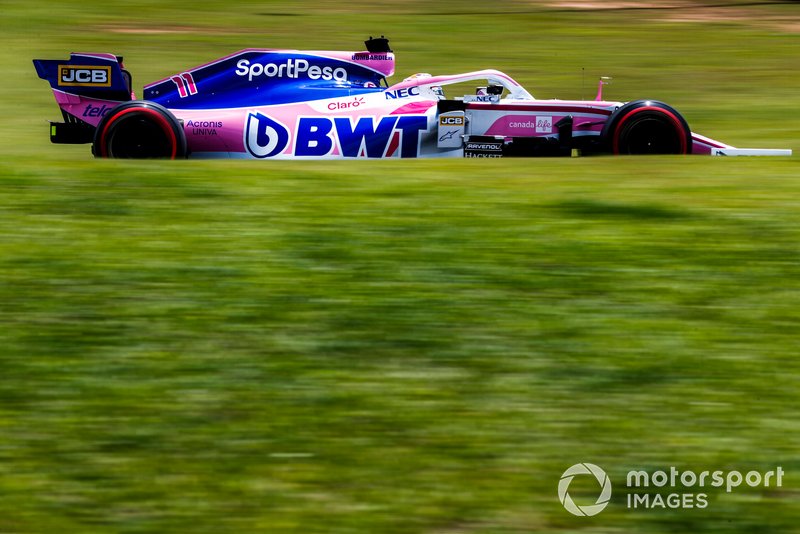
(293, 68)
(79, 75)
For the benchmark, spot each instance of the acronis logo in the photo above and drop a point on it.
(264, 137)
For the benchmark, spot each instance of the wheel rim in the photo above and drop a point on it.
(651, 135)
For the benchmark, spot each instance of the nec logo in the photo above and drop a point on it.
(79, 75)
(402, 93)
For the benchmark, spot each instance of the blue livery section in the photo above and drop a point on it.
(258, 78)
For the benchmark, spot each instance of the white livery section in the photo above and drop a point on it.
(750, 152)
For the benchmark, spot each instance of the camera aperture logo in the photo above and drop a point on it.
(584, 469)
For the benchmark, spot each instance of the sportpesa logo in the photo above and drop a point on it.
(584, 469)
(293, 68)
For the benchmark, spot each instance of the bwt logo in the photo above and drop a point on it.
(371, 137)
(79, 75)
(264, 137)
(584, 469)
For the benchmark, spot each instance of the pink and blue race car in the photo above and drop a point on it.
(282, 104)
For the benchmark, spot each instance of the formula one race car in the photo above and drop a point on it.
(280, 104)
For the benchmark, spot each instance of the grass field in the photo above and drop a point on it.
(401, 347)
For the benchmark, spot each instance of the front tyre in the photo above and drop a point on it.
(139, 130)
(647, 127)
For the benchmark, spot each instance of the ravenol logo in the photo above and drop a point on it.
(584, 469)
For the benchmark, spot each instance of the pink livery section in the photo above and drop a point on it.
(272, 103)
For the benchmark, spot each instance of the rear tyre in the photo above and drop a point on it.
(647, 127)
(139, 130)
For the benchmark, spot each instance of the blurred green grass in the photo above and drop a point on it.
(398, 347)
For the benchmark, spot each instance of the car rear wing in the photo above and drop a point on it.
(86, 87)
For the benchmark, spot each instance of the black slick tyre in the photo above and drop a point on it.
(139, 130)
(647, 127)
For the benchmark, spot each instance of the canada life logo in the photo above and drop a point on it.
(584, 469)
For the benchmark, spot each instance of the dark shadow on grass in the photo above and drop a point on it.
(594, 209)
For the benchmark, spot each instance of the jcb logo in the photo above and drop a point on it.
(451, 121)
(78, 75)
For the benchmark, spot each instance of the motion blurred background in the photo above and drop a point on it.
(402, 347)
